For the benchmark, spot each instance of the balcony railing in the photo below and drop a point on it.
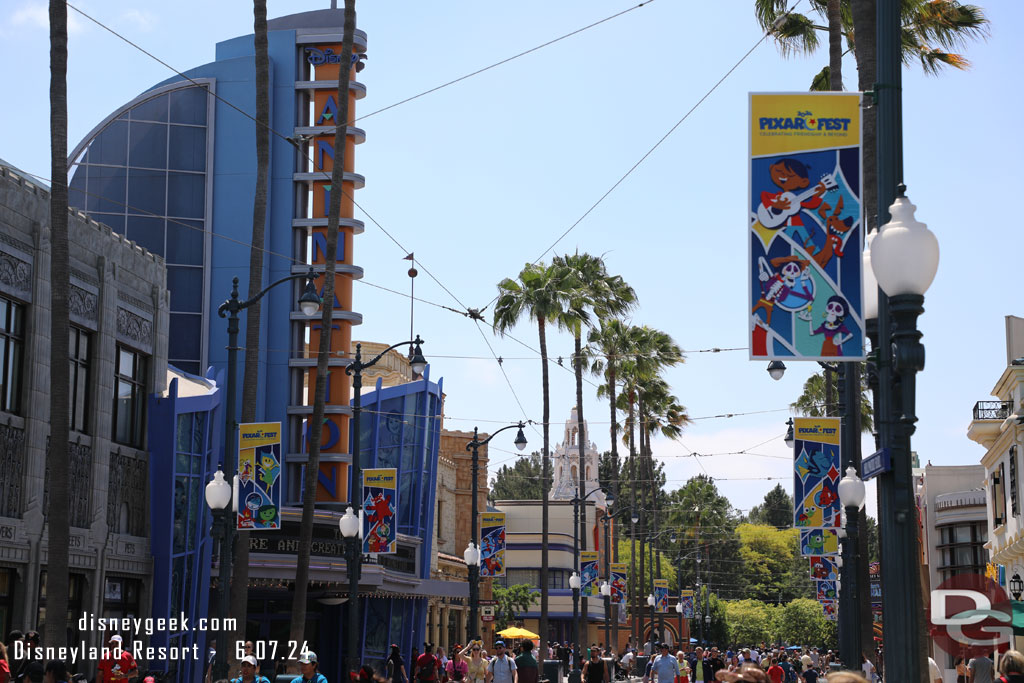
(992, 410)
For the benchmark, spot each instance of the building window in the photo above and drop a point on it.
(78, 382)
(1013, 481)
(961, 549)
(12, 351)
(998, 497)
(130, 398)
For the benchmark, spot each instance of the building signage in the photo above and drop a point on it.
(816, 473)
(259, 476)
(661, 595)
(486, 612)
(380, 505)
(876, 463)
(492, 544)
(588, 573)
(619, 571)
(804, 224)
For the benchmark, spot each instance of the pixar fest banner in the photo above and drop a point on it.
(259, 476)
(816, 473)
(588, 573)
(686, 600)
(805, 229)
(619, 572)
(492, 544)
(661, 595)
(380, 506)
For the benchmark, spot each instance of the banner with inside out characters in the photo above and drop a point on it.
(816, 473)
(492, 544)
(380, 508)
(819, 542)
(619, 571)
(661, 595)
(806, 233)
(826, 590)
(259, 476)
(823, 569)
(830, 608)
(686, 600)
(588, 573)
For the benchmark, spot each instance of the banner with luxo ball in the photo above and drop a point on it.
(619, 571)
(588, 573)
(380, 508)
(816, 473)
(259, 476)
(805, 228)
(492, 544)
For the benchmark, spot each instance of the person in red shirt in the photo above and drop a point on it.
(426, 666)
(776, 672)
(118, 664)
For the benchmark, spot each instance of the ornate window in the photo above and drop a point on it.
(130, 398)
(78, 382)
(1013, 481)
(12, 351)
(998, 497)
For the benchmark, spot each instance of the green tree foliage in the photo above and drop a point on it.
(813, 402)
(705, 526)
(512, 600)
(520, 481)
(872, 532)
(750, 622)
(801, 622)
(776, 510)
(708, 602)
(770, 555)
(668, 570)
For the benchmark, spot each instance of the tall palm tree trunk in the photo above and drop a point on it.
(250, 378)
(635, 581)
(298, 622)
(581, 438)
(545, 473)
(835, 45)
(615, 449)
(57, 513)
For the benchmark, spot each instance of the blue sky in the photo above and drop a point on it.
(480, 177)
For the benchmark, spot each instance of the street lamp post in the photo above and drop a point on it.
(574, 584)
(309, 302)
(605, 523)
(472, 554)
(354, 555)
(851, 495)
(579, 628)
(634, 595)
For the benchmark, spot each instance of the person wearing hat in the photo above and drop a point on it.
(501, 669)
(308, 665)
(117, 663)
(249, 672)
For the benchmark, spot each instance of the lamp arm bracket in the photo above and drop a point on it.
(354, 367)
(234, 305)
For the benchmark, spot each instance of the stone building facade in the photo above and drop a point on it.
(119, 306)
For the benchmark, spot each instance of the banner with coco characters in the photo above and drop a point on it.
(619, 572)
(588, 573)
(661, 595)
(492, 544)
(816, 473)
(259, 476)
(805, 228)
(686, 600)
(380, 508)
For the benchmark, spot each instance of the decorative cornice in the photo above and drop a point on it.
(16, 243)
(138, 303)
(82, 303)
(85, 277)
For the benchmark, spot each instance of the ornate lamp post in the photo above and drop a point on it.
(574, 584)
(472, 553)
(609, 499)
(606, 592)
(354, 555)
(309, 302)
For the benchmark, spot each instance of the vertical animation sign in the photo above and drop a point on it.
(380, 510)
(492, 544)
(816, 473)
(259, 476)
(618, 573)
(661, 595)
(588, 573)
(805, 228)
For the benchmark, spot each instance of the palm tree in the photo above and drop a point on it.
(298, 623)
(814, 401)
(605, 296)
(542, 294)
(250, 378)
(57, 514)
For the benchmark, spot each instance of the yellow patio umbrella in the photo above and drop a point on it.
(517, 632)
